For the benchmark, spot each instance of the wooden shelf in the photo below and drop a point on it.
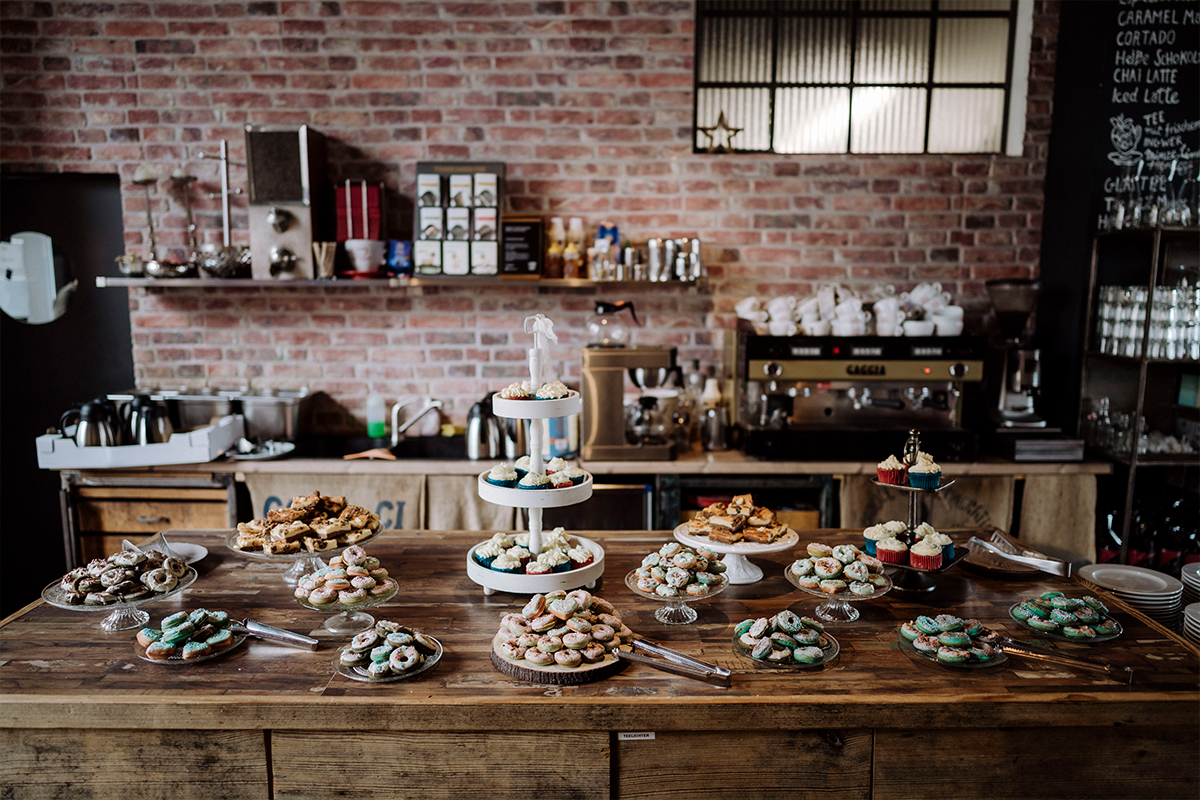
(416, 282)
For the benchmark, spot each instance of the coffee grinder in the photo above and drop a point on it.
(290, 199)
(607, 359)
(1014, 300)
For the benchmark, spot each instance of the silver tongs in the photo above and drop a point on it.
(271, 633)
(674, 662)
(1028, 651)
(1053, 566)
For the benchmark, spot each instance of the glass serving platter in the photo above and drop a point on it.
(1062, 637)
(238, 639)
(302, 563)
(837, 607)
(676, 611)
(907, 646)
(351, 618)
(124, 615)
(829, 646)
(360, 674)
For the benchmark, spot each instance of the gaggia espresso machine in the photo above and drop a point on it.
(826, 398)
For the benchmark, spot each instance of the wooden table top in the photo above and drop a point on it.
(60, 670)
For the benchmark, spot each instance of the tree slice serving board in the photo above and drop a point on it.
(559, 676)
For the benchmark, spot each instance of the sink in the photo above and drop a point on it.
(446, 448)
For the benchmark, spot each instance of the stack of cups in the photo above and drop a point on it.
(809, 314)
(888, 319)
(849, 318)
(782, 311)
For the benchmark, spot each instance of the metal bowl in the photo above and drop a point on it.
(170, 269)
(227, 262)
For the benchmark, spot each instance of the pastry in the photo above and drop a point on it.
(891, 471)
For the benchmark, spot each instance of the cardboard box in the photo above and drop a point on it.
(427, 258)
(195, 447)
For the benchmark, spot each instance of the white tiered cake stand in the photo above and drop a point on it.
(534, 500)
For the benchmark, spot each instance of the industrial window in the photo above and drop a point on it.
(872, 76)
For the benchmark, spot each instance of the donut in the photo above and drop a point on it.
(543, 623)
(301, 591)
(593, 652)
(160, 580)
(364, 641)
(696, 589)
(97, 567)
(424, 642)
(845, 553)
(801, 567)
(669, 549)
(403, 659)
(175, 566)
(575, 640)
(159, 650)
(807, 637)
(378, 574)
(322, 595)
(352, 658)
(385, 626)
(195, 650)
(827, 567)
(603, 633)
(759, 628)
(861, 589)
(399, 639)
(808, 655)
(684, 559)
(583, 597)
(99, 599)
(352, 597)
(856, 571)
(568, 658)
(74, 598)
(354, 556)
(179, 633)
(336, 562)
(363, 582)
(516, 623)
(513, 651)
(382, 653)
(550, 644)
(579, 625)
(383, 587)
(564, 607)
(357, 572)
(371, 562)
(663, 590)
(379, 669)
(818, 550)
(127, 558)
(647, 584)
(873, 564)
(148, 636)
(535, 656)
(220, 640)
(602, 606)
(115, 575)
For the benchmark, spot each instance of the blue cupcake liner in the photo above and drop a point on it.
(924, 480)
(869, 545)
(947, 552)
(521, 473)
(533, 488)
(485, 561)
(563, 567)
(518, 571)
(505, 484)
(579, 480)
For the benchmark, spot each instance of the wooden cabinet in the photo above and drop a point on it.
(101, 509)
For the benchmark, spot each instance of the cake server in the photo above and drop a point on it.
(271, 633)
(674, 662)
(1032, 653)
(1053, 566)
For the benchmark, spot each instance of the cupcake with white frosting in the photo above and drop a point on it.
(502, 475)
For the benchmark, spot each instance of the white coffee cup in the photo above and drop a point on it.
(849, 309)
(782, 328)
(365, 254)
(747, 306)
(888, 306)
(782, 308)
(950, 312)
(888, 325)
(919, 327)
(846, 327)
(937, 302)
(809, 308)
(948, 327)
(817, 327)
(924, 292)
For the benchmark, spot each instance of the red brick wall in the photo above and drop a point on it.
(588, 103)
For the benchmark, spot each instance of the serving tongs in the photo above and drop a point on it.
(674, 662)
(1050, 565)
(1032, 653)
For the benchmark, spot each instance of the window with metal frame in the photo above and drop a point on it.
(860, 76)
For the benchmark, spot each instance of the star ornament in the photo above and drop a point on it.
(720, 136)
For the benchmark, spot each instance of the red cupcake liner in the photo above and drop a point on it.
(891, 556)
(894, 477)
(924, 562)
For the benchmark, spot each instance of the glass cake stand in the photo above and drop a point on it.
(837, 607)
(302, 563)
(351, 619)
(122, 616)
(676, 610)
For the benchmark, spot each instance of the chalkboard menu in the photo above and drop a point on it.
(1149, 148)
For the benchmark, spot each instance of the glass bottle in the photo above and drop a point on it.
(1108, 543)
(1143, 536)
(554, 253)
(572, 261)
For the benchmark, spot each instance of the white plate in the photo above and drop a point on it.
(270, 450)
(1130, 580)
(190, 553)
(1192, 613)
(787, 541)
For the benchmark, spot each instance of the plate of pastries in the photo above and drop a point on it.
(739, 524)
(311, 524)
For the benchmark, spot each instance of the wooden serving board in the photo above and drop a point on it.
(555, 674)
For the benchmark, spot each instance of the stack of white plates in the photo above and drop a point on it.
(1191, 583)
(1191, 622)
(1158, 596)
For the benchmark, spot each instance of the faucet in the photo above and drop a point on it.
(397, 429)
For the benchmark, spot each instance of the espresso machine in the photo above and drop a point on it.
(290, 200)
(604, 412)
(851, 398)
(1014, 301)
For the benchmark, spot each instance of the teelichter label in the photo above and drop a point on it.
(633, 736)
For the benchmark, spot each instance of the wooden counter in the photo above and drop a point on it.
(82, 716)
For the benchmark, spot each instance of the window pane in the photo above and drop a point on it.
(974, 5)
(814, 50)
(736, 50)
(887, 120)
(812, 120)
(971, 51)
(892, 51)
(749, 109)
(966, 120)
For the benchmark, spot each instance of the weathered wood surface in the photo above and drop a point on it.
(551, 764)
(60, 671)
(146, 765)
(1135, 762)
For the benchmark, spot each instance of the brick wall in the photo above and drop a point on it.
(588, 103)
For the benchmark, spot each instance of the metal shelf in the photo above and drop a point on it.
(1135, 360)
(416, 282)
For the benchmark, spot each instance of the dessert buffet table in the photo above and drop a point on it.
(81, 715)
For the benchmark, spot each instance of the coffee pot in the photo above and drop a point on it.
(483, 431)
(607, 327)
(93, 426)
(148, 421)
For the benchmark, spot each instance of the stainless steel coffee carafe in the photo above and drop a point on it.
(92, 426)
(483, 431)
(149, 422)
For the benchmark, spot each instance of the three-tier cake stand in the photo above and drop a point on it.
(535, 500)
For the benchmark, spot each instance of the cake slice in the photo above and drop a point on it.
(763, 534)
(329, 528)
(356, 536)
(724, 536)
(356, 516)
(290, 532)
(761, 517)
(727, 522)
(317, 545)
(307, 502)
(284, 515)
(698, 527)
(742, 500)
(275, 547)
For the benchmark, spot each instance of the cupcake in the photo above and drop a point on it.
(943, 541)
(488, 552)
(534, 480)
(502, 475)
(924, 475)
(504, 540)
(559, 480)
(521, 554)
(555, 390)
(580, 557)
(891, 551)
(556, 560)
(555, 465)
(521, 539)
(925, 555)
(923, 530)
(506, 563)
(515, 391)
(522, 466)
(576, 474)
(875, 534)
(891, 470)
(556, 539)
(537, 568)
